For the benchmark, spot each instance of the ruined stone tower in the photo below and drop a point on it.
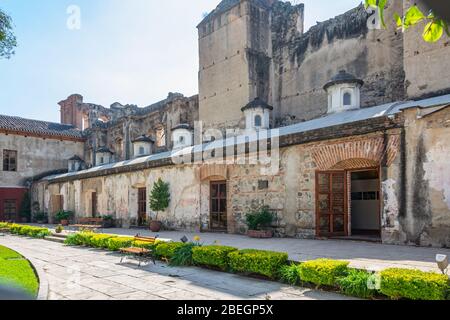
(235, 60)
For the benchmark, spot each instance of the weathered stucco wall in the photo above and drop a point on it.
(304, 63)
(426, 219)
(290, 192)
(427, 66)
(35, 156)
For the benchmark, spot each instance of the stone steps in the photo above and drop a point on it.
(55, 239)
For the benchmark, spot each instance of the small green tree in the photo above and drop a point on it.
(159, 197)
(25, 208)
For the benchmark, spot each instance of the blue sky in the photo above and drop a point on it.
(133, 51)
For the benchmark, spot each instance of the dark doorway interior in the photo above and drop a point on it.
(142, 206)
(365, 204)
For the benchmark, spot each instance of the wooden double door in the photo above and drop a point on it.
(218, 205)
(331, 203)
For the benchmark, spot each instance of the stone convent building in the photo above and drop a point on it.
(357, 122)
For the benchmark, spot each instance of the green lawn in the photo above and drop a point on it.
(16, 270)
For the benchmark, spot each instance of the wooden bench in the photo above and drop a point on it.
(88, 223)
(140, 254)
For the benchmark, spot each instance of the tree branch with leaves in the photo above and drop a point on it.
(433, 30)
(8, 41)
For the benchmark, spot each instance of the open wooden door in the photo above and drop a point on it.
(331, 204)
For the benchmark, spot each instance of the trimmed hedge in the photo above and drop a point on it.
(215, 256)
(29, 231)
(267, 263)
(114, 244)
(100, 240)
(414, 284)
(323, 271)
(167, 249)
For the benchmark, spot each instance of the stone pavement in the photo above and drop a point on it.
(364, 255)
(75, 273)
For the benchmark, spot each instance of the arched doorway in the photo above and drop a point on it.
(348, 200)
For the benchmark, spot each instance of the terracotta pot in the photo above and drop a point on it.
(155, 226)
(260, 234)
(65, 222)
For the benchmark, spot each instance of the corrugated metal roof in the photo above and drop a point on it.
(38, 127)
(329, 120)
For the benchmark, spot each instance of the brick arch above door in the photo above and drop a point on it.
(363, 152)
(215, 171)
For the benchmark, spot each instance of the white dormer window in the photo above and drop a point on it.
(347, 99)
(257, 115)
(343, 92)
(102, 160)
(141, 150)
(258, 121)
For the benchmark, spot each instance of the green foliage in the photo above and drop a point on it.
(159, 197)
(114, 244)
(183, 255)
(99, 240)
(323, 271)
(259, 220)
(23, 230)
(215, 256)
(25, 207)
(356, 284)
(41, 216)
(266, 263)
(290, 274)
(435, 26)
(59, 229)
(7, 39)
(79, 239)
(17, 271)
(63, 215)
(413, 284)
(167, 249)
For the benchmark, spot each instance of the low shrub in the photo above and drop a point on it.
(79, 239)
(413, 284)
(290, 274)
(356, 284)
(145, 244)
(215, 256)
(114, 244)
(183, 255)
(323, 271)
(260, 219)
(100, 240)
(4, 225)
(265, 263)
(167, 249)
(29, 231)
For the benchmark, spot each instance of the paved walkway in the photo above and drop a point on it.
(365, 255)
(76, 273)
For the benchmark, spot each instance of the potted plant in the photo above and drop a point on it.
(108, 221)
(59, 229)
(258, 223)
(159, 201)
(41, 218)
(63, 217)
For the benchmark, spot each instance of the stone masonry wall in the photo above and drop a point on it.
(303, 63)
